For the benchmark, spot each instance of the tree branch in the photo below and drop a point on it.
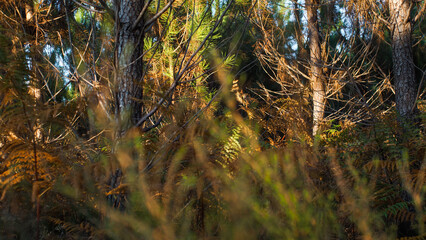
(156, 16)
(135, 24)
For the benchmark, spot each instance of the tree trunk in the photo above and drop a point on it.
(318, 92)
(35, 91)
(129, 47)
(404, 76)
(302, 54)
(129, 78)
(402, 56)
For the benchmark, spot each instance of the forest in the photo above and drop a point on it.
(212, 119)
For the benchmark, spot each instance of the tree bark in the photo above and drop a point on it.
(128, 79)
(402, 56)
(318, 92)
(129, 64)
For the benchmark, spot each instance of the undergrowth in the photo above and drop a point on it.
(216, 180)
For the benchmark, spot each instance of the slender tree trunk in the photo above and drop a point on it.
(35, 91)
(129, 64)
(356, 46)
(402, 56)
(318, 92)
(301, 50)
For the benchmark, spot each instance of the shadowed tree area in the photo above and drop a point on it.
(212, 119)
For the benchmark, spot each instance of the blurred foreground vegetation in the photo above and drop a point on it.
(221, 179)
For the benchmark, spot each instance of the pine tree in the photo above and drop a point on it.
(316, 75)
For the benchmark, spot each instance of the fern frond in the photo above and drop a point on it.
(389, 165)
(421, 237)
(395, 209)
(232, 147)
